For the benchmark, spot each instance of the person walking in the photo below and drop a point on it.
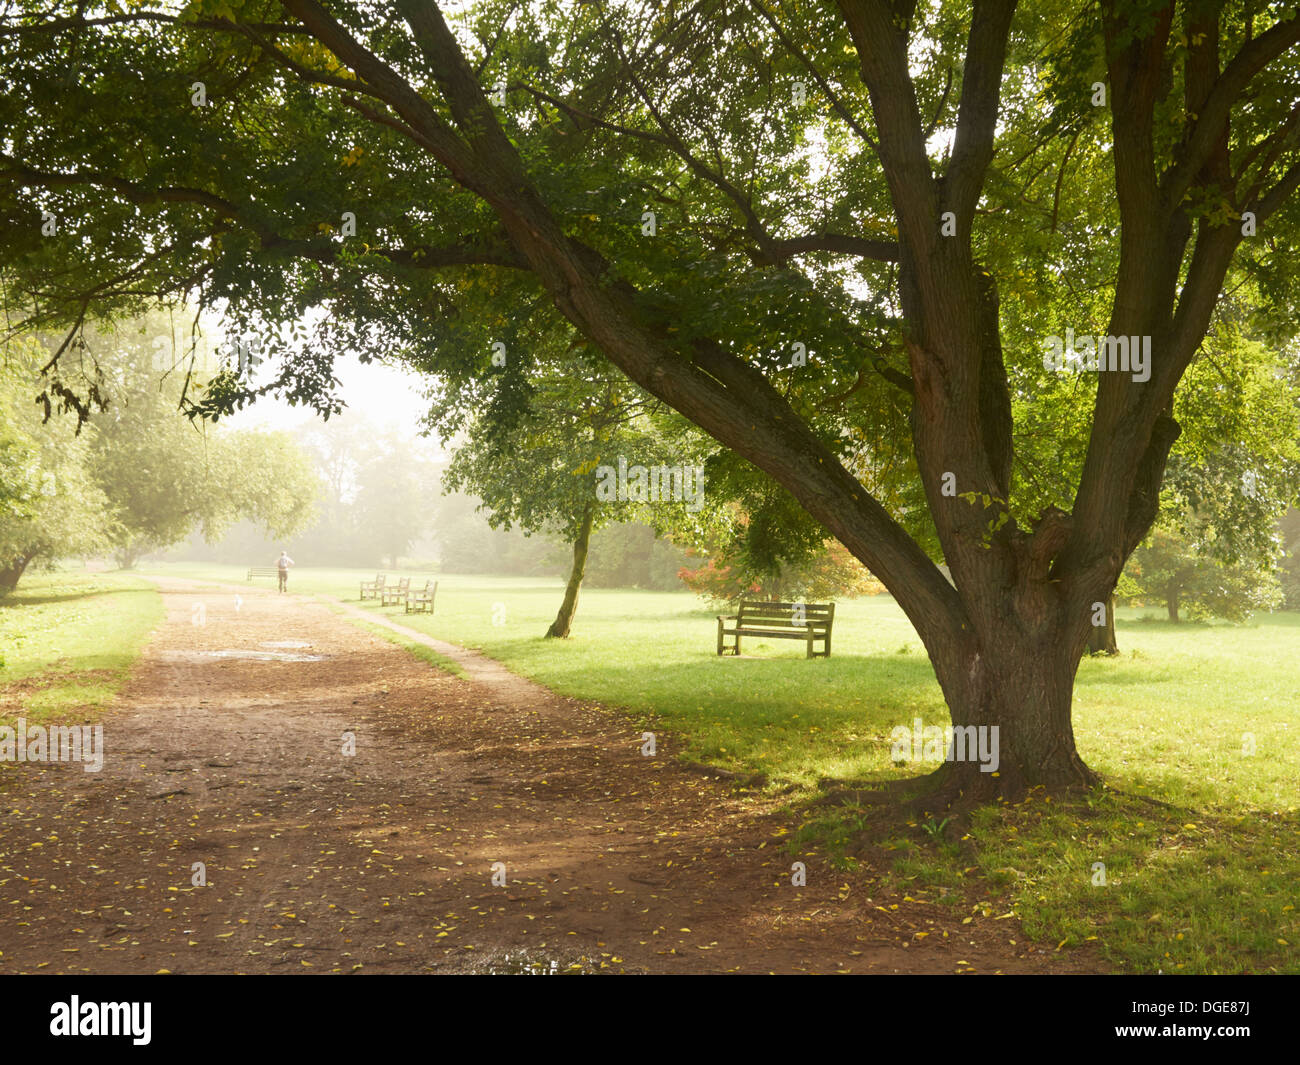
(282, 567)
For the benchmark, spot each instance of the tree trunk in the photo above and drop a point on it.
(1173, 607)
(1101, 641)
(569, 607)
(1023, 688)
(12, 573)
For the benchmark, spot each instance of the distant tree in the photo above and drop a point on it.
(831, 573)
(467, 543)
(1289, 531)
(537, 465)
(537, 453)
(395, 494)
(165, 475)
(631, 555)
(1171, 569)
(50, 506)
(1230, 477)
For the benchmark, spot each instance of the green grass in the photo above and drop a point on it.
(1200, 841)
(67, 642)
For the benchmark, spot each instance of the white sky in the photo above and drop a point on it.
(389, 394)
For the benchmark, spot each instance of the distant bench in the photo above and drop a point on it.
(263, 571)
(389, 595)
(783, 621)
(422, 598)
(417, 600)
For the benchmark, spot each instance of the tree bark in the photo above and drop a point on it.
(1101, 641)
(12, 573)
(1015, 673)
(564, 619)
(1173, 607)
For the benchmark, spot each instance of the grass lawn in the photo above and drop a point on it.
(67, 642)
(1199, 839)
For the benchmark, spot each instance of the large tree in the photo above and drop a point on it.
(710, 191)
(50, 505)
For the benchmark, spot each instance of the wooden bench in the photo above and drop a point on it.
(373, 589)
(783, 621)
(390, 596)
(422, 598)
(263, 571)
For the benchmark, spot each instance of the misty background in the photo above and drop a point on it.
(382, 503)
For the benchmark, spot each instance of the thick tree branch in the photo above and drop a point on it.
(977, 113)
(436, 135)
(882, 55)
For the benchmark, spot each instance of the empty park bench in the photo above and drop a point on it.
(389, 596)
(373, 589)
(783, 621)
(262, 571)
(422, 598)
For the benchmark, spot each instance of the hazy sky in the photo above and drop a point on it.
(388, 394)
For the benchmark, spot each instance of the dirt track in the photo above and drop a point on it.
(382, 861)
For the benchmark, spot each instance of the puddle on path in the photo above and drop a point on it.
(255, 656)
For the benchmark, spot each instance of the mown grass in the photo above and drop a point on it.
(67, 642)
(1199, 838)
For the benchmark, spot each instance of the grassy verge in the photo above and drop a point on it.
(1193, 726)
(67, 642)
(419, 650)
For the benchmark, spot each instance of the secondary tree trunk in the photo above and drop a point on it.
(569, 607)
(12, 572)
(1101, 641)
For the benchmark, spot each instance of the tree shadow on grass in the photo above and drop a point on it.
(1179, 887)
(18, 599)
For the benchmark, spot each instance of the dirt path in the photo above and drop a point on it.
(382, 861)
